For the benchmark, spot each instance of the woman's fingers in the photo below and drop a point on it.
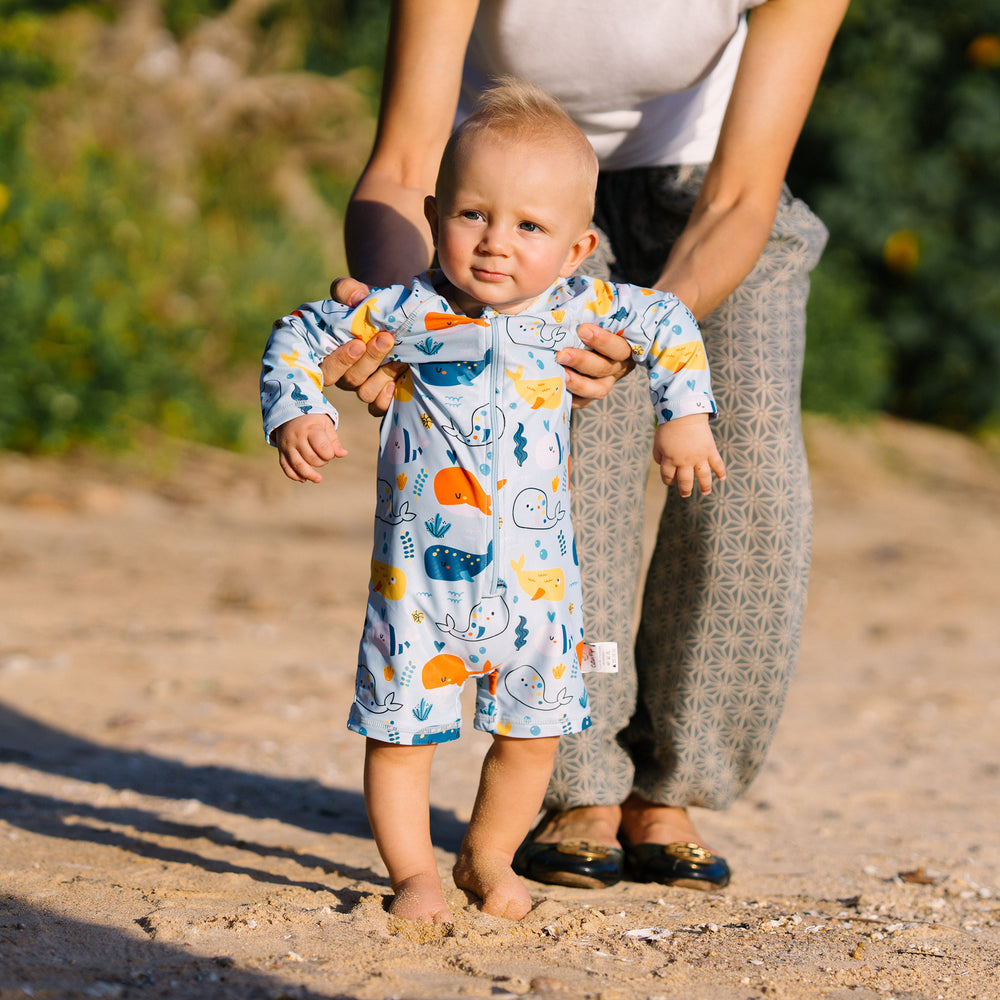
(591, 373)
(348, 291)
(358, 367)
(352, 365)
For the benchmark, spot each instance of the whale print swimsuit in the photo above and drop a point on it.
(474, 571)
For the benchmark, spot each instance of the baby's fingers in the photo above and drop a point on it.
(673, 475)
(717, 465)
(322, 445)
(684, 480)
(703, 473)
(297, 467)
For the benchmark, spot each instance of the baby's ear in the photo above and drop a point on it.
(584, 246)
(431, 215)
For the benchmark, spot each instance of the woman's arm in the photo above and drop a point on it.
(786, 47)
(386, 236)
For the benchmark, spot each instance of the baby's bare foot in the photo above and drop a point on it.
(421, 897)
(494, 882)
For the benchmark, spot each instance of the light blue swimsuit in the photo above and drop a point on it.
(474, 568)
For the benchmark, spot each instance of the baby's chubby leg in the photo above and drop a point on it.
(397, 796)
(511, 788)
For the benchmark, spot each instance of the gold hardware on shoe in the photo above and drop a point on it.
(694, 853)
(585, 849)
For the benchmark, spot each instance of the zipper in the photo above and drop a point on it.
(498, 362)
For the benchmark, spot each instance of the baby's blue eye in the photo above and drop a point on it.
(530, 227)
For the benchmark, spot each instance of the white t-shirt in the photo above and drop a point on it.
(647, 80)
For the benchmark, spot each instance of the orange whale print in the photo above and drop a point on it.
(444, 321)
(446, 668)
(454, 485)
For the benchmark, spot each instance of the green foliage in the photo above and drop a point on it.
(112, 320)
(160, 203)
(901, 159)
(338, 35)
(846, 364)
(347, 34)
(136, 287)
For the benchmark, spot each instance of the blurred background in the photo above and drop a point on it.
(173, 175)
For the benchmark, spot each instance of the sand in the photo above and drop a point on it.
(180, 804)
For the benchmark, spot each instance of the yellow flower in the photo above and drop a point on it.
(417, 616)
(901, 251)
(984, 51)
(4, 198)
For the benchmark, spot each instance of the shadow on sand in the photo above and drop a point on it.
(303, 803)
(44, 954)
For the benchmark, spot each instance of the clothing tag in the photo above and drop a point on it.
(599, 658)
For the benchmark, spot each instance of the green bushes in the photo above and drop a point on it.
(145, 242)
(901, 159)
(170, 181)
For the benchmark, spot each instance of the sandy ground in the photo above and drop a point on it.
(180, 803)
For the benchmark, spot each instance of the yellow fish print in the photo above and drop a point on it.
(404, 387)
(604, 297)
(388, 581)
(689, 355)
(538, 393)
(292, 360)
(362, 326)
(540, 583)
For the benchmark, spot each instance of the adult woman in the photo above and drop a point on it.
(694, 110)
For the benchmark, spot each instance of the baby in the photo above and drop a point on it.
(474, 570)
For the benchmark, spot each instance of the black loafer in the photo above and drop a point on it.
(581, 864)
(687, 865)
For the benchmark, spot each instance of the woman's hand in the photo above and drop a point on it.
(358, 367)
(590, 374)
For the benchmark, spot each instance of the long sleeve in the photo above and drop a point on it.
(291, 382)
(666, 339)
(679, 380)
(424, 325)
(662, 333)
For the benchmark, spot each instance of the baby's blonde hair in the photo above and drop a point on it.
(522, 112)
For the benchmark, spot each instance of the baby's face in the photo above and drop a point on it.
(513, 220)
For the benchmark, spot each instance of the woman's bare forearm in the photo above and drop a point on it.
(385, 242)
(386, 235)
(787, 45)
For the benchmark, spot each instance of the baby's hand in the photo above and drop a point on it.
(686, 451)
(305, 444)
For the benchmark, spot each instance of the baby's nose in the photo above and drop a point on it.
(493, 241)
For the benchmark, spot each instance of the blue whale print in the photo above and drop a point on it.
(454, 372)
(444, 563)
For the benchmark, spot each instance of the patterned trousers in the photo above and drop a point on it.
(690, 716)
